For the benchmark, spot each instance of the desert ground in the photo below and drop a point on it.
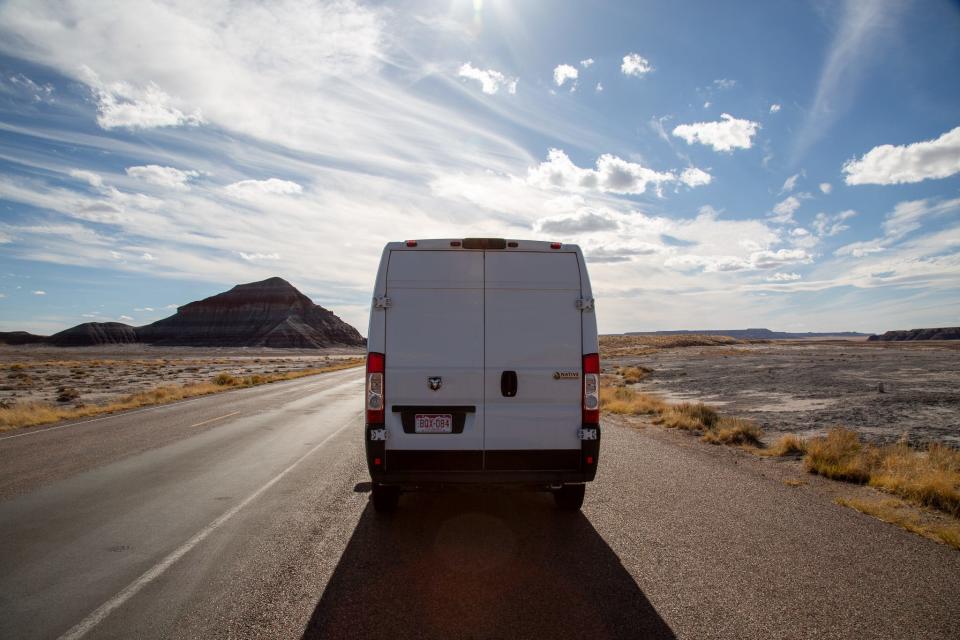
(99, 375)
(807, 387)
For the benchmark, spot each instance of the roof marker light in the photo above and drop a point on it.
(411, 243)
(455, 243)
(555, 245)
(513, 244)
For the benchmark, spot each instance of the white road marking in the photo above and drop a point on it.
(96, 617)
(214, 419)
(153, 408)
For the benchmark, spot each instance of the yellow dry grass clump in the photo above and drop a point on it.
(625, 401)
(929, 476)
(696, 417)
(633, 375)
(36, 413)
(786, 445)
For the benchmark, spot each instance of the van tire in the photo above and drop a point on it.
(385, 499)
(569, 497)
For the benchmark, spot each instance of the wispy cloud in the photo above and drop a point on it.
(727, 134)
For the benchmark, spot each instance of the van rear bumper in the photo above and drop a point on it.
(523, 466)
(531, 478)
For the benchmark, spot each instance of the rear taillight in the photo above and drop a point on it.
(375, 370)
(591, 388)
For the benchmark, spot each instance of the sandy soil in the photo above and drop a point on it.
(807, 387)
(100, 374)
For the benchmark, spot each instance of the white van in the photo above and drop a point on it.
(482, 367)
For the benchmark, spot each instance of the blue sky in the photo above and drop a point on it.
(794, 165)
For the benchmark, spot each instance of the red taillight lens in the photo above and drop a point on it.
(591, 388)
(411, 243)
(555, 245)
(375, 385)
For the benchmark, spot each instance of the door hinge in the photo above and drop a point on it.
(584, 304)
(381, 302)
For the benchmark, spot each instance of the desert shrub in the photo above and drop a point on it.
(225, 380)
(689, 416)
(840, 456)
(624, 401)
(736, 431)
(67, 394)
(633, 375)
(16, 367)
(929, 477)
(787, 445)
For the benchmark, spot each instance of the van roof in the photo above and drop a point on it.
(468, 244)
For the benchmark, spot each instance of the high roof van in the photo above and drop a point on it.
(482, 367)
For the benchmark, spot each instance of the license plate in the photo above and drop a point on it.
(433, 423)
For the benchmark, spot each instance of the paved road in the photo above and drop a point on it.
(246, 515)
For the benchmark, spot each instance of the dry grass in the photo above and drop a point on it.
(840, 456)
(787, 445)
(898, 512)
(734, 431)
(928, 477)
(624, 401)
(619, 345)
(689, 416)
(794, 482)
(633, 375)
(36, 413)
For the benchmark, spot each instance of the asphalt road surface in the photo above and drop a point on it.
(247, 515)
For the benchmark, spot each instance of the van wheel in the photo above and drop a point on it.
(569, 497)
(385, 499)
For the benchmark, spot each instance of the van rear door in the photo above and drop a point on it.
(533, 357)
(434, 359)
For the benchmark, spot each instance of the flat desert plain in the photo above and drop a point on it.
(807, 387)
(99, 375)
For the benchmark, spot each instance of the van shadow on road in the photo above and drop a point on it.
(481, 564)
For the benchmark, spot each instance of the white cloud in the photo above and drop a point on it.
(20, 84)
(564, 72)
(612, 175)
(790, 183)
(727, 134)
(783, 277)
(125, 105)
(826, 188)
(250, 189)
(774, 108)
(908, 216)
(861, 249)
(39, 292)
(253, 257)
(599, 87)
(694, 177)
(784, 210)
(126, 319)
(724, 83)
(706, 105)
(830, 225)
(585, 222)
(490, 80)
(146, 255)
(586, 64)
(168, 177)
(889, 164)
(91, 178)
(635, 65)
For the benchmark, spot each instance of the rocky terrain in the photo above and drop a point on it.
(883, 390)
(941, 333)
(269, 313)
(750, 334)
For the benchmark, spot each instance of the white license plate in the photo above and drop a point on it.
(433, 423)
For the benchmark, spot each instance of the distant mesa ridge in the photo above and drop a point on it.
(940, 333)
(270, 313)
(751, 334)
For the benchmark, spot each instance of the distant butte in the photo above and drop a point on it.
(269, 313)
